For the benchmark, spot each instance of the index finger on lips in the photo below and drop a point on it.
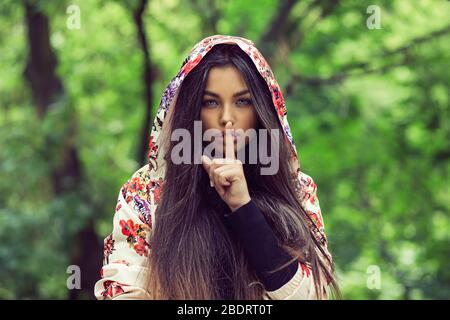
(229, 142)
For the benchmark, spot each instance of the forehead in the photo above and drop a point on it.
(225, 80)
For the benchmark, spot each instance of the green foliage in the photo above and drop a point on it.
(376, 141)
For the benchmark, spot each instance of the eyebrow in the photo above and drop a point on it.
(237, 94)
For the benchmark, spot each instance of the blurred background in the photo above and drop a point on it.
(366, 85)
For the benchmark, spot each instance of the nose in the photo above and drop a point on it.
(227, 115)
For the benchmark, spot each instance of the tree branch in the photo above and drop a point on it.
(279, 22)
(209, 13)
(364, 67)
(284, 31)
(327, 7)
(277, 28)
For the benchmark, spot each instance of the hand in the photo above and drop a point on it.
(227, 175)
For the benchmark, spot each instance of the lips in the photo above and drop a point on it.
(223, 138)
(233, 134)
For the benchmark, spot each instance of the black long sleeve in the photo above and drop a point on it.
(261, 246)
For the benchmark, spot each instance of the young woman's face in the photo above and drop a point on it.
(227, 98)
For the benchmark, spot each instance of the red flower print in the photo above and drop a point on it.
(319, 220)
(157, 194)
(316, 219)
(141, 247)
(112, 288)
(281, 107)
(136, 236)
(127, 227)
(136, 185)
(191, 64)
(158, 186)
(279, 101)
(108, 247)
(151, 145)
(328, 279)
(307, 197)
(206, 41)
(305, 269)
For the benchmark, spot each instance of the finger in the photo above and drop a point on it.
(206, 162)
(220, 189)
(220, 162)
(230, 167)
(229, 142)
(218, 177)
(229, 175)
(217, 184)
(207, 165)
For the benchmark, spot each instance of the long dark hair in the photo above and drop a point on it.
(194, 256)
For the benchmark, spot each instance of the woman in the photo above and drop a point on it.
(193, 225)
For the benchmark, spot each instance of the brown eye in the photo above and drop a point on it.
(209, 103)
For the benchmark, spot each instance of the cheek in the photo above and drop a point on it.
(207, 118)
(250, 119)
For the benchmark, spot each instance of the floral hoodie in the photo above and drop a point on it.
(126, 249)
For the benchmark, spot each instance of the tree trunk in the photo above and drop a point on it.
(147, 77)
(47, 88)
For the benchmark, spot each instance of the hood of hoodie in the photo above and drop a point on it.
(195, 56)
(305, 186)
